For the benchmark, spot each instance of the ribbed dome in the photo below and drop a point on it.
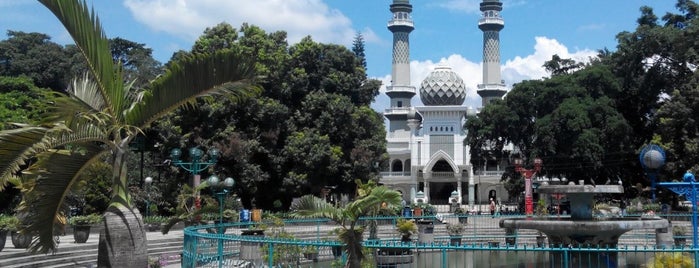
(442, 87)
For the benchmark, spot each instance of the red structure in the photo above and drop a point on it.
(528, 174)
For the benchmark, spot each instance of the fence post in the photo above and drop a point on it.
(566, 252)
(270, 255)
(444, 258)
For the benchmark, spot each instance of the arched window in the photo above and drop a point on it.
(396, 166)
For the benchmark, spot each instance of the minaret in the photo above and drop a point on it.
(491, 23)
(400, 91)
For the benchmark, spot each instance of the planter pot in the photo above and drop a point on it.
(81, 233)
(417, 212)
(455, 240)
(152, 227)
(463, 219)
(680, 242)
(394, 257)
(3, 238)
(313, 256)
(541, 241)
(337, 251)
(21, 240)
(250, 250)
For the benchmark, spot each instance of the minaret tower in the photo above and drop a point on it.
(400, 91)
(491, 23)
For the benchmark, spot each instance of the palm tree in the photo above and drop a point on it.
(309, 206)
(98, 118)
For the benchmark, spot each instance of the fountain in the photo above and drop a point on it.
(581, 229)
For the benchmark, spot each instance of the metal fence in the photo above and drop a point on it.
(312, 243)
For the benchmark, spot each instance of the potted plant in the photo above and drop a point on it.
(406, 228)
(455, 230)
(311, 253)
(336, 250)
(19, 239)
(679, 233)
(81, 226)
(230, 215)
(153, 223)
(461, 214)
(4, 229)
(191, 207)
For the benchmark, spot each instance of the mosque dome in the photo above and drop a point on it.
(442, 87)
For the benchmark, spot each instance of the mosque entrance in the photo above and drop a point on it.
(440, 192)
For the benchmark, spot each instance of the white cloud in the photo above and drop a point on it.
(530, 67)
(299, 18)
(473, 6)
(513, 71)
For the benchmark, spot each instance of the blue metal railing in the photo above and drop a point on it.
(304, 243)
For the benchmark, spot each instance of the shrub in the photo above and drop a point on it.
(85, 219)
(455, 228)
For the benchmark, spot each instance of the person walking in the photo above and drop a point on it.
(492, 207)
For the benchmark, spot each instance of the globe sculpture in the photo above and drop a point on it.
(652, 158)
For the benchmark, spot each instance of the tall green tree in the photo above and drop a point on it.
(311, 127)
(35, 56)
(100, 116)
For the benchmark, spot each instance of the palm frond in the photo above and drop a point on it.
(84, 26)
(86, 90)
(48, 182)
(224, 72)
(16, 146)
(309, 206)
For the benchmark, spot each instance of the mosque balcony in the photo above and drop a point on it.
(386, 174)
(397, 111)
(497, 173)
(401, 23)
(398, 89)
(492, 87)
(491, 20)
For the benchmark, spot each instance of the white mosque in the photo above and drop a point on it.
(429, 160)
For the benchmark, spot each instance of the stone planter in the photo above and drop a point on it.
(250, 250)
(540, 241)
(3, 238)
(337, 251)
(455, 240)
(680, 242)
(394, 257)
(152, 227)
(312, 256)
(81, 233)
(21, 240)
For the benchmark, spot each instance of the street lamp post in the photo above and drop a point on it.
(196, 165)
(528, 175)
(148, 181)
(221, 189)
(688, 188)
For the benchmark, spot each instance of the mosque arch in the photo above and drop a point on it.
(441, 155)
(396, 166)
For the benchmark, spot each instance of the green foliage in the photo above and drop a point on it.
(672, 259)
(406, 227)
(541, 208)
(155, 219)
(89, 219)
(6, 222)
(679, 230)
(651, 207)
(455, 228)
(21, 101)
(231, 215)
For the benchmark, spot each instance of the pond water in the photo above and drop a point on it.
(511, 259)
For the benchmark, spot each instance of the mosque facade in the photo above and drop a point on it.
(429, 160)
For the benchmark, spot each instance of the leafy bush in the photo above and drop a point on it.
(455, 228)
(6, 222)
(155, 219)
(85, 219)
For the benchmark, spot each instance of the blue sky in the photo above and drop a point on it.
(445, 30)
